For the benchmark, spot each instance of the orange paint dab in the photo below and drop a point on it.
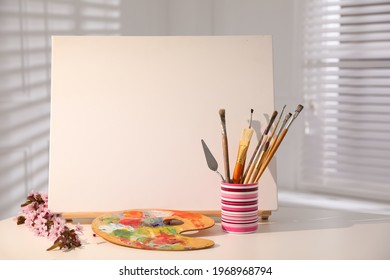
(133, 214)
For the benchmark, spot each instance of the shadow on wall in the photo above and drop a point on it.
(25, 31)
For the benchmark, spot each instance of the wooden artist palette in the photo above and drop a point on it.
(153, 229)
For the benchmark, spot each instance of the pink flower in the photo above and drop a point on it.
(40, 227)
(59, 223)
(42, 208)
(54, 233)
(28, 209)
(45, 198)
(30, 218)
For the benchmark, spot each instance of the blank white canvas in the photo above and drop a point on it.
(128, 115)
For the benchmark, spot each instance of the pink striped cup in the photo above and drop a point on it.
(239, 207)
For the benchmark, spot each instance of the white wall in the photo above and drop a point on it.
(25, 30)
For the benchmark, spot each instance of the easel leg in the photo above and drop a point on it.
(264, 214)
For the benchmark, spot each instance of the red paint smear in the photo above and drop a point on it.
(163, 239)
(135, 223)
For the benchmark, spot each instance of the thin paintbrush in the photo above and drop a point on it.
(277, 143)
(258, 150)
(245, 140)
(272, 136)
(277, 123)
(225, 146)
(288, 116)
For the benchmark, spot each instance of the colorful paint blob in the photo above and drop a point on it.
(153, 229)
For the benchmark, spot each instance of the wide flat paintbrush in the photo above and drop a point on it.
(277, 143)
(245, 140)
(225, 148)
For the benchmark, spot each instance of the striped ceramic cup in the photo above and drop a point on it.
(239, 207)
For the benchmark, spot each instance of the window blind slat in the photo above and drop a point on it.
(362, 73)
(348, 10)
(355, 37)
(355, 116)
(362, 28)
(346, 3)
(358, 126)
(340, 81)
(348, 90)
(325, 47)
(353, 152)
(362, 64)
(360, 20)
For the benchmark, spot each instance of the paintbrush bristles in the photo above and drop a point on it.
(299, 108)
(222, 115)
(250, 121)
(297, 111)
(225, 148)
(246, 134)
(271, 121)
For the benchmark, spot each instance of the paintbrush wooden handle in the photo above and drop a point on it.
(250, 163)
(249, 173)
(254, 160)
(237, 174)
(270, 155)
(226, 157)
(256, 169)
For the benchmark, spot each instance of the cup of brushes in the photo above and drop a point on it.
(239, 193)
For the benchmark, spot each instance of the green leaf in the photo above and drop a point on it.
(55, 245)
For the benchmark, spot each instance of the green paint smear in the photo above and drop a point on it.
(144, 235)
(168, 230)
(122, 233)
(108, 220)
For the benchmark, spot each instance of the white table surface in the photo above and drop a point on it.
(290, 233)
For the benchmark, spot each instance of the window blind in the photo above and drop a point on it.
(346, 56)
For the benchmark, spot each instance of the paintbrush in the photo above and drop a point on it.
(276, 136)
(278, 141)
(258, 150)
(277, 123)
(225, 146)
(245, 140)
(288, 116)
(270, 138)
